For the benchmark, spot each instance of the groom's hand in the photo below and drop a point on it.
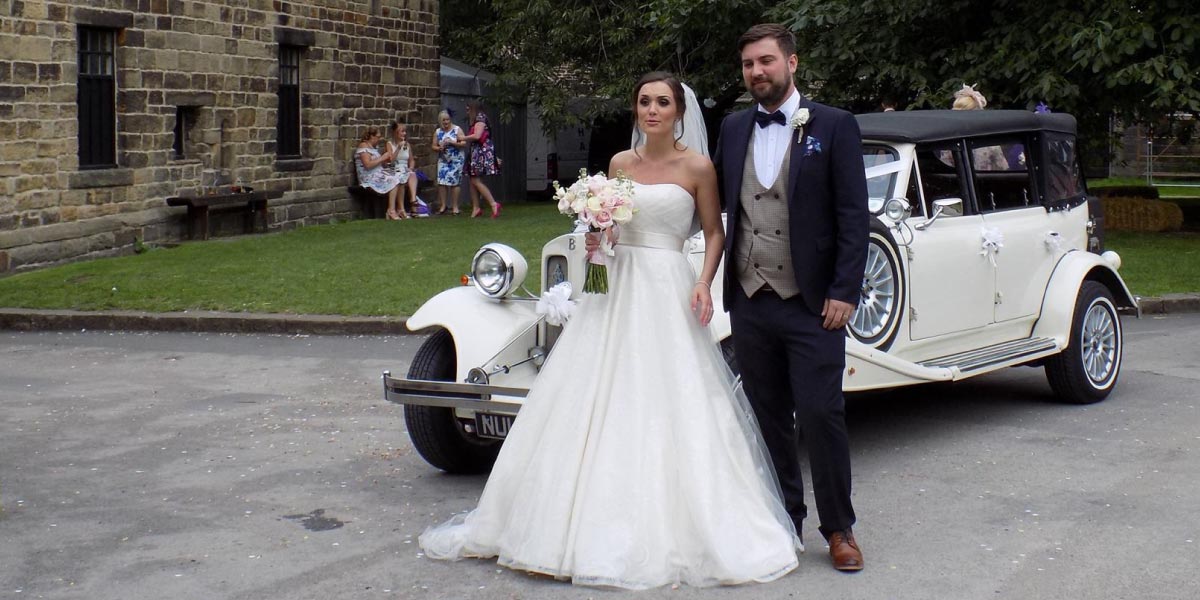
(836, 313)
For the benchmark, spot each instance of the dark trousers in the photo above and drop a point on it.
(792, 372)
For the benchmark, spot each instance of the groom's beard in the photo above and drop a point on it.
(773, 95)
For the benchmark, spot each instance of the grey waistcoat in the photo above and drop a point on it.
(763, 250)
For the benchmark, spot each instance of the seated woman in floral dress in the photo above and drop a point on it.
(368, 163)
(404, 165)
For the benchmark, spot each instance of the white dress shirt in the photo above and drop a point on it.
(770, 142)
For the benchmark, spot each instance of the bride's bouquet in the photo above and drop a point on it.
(602, 204)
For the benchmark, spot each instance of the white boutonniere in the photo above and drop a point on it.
(798, 120)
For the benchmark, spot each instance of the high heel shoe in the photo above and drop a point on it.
(392, 216)
(476, 212)
(496, 210)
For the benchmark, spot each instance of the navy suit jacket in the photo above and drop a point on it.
(827, 202)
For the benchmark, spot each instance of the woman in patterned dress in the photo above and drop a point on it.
(483, 158)
(404, 164)
(368, 163)
(449, 144)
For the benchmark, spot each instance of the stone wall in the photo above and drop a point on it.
(365, 62)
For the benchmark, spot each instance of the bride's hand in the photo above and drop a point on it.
(591, 241)
(702, 303)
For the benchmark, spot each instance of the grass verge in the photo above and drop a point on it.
(389, 268)
(1153, 264)
(374, 267)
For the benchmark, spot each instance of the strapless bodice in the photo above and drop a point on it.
(663, 209)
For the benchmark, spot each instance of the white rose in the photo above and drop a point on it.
(622, 213)
(799, 118)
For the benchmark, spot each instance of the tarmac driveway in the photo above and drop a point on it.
(167, 465)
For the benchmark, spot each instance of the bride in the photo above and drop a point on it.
(636, 461)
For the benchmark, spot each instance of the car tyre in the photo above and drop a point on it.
(434, 431)
(1086, 371)
(877, 319)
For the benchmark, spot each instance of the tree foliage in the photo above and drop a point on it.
(578, 59)
(1136, 59)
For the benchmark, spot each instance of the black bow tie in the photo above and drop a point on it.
(763, 119)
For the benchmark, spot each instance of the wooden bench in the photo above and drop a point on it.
(252, 204)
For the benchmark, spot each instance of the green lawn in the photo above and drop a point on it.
(374, 267)
(390, 268)
(1153, 264)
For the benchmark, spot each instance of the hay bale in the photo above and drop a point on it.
(1141, 214)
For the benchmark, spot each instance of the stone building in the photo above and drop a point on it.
(108, 107)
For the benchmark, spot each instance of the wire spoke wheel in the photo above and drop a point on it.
(1086, 370)
(1099, 344)
(876, 320)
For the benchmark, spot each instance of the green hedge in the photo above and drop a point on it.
(1125, 191)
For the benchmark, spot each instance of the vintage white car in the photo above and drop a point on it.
(985, 252)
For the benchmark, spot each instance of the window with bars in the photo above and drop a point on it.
(288, 128)
(97, 93)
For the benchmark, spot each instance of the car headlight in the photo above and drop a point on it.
(896, 209)
(498, 270)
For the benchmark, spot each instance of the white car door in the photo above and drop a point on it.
(1024, 263)
(951, 284)
(1014, 217)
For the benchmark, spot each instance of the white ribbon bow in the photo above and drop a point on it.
(993, 241)
(555, 304)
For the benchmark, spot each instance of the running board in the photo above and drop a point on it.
(996, 355)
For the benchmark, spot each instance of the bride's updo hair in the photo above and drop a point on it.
(676, 91)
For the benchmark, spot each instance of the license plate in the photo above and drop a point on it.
(493, 426)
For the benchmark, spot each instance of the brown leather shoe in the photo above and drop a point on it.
(844, 551)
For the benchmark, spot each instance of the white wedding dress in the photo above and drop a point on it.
(634, 462)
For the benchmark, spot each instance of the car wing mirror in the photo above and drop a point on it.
(951, 207)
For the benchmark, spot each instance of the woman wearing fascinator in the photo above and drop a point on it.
(987, 158)
(636, 461)
(968, 98)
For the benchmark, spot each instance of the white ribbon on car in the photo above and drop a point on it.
(556, 304)
(993, 241)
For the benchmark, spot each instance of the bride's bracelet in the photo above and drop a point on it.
(703, 283)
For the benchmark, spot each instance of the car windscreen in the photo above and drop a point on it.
(881, 164)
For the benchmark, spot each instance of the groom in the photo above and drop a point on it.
(792, 184)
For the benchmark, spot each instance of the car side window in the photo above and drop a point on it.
(1064, 181)
(998, 169)
(941, 175)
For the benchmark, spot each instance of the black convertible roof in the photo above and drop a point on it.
(936, 125)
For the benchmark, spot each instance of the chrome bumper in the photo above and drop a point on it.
(451, 395)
